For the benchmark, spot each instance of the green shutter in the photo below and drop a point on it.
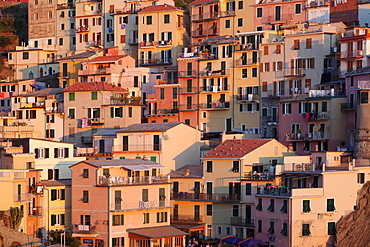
(145, 195)
(88, 112)
(112, 112)
(153, 158)
(62, 194)
(147, 217)
(158, 217)
(248, 189)
(94, 95)
(122, 219)
(53, 219)
(121, 112)
(113, 220)
(71, 96)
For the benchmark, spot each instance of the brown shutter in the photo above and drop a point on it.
(274, 66)
(290, 86)
(274, 87)
(312, 63)
(282, 88)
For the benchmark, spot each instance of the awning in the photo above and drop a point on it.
(145, 167)
(155, 232)
(231, 240)
(84, 235)
(188, 226)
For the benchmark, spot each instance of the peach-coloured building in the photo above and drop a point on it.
(122, 203)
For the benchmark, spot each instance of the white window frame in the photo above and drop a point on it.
(219, 230)
(61, 153)
(227, 230)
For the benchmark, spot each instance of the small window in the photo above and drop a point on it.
(271, 229)
(240, 4)
(284, 208)
(240, 22)
(161, 92)
(259, 205)
(361, 178)
(71, 96)
(94, 95)
(149, 20)
(26, 55)
(235, 210)
(235, 166)
(284, 231)
(306, 206)
(254, 72)
(209, 209)
(298, 8)
(330, 207)
(296, 44)
(308, 43)
(209, 166)
(85, 197)
(145, 218)
(259, 226)
(259, 12)
(271, 207)
(248, 189)
(244, 73)
(227, 23)
(331, 228)
(364, 97)
(72, 113)
(306, 230)
(166, 18)
(116, 112)
(85, 173)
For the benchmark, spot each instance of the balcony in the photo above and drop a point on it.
(188, 107)
(188, 90)
(118, 100)
(246, 47)
(308, 136)
(163, 112)
(148, 44)
(164, 43)
(207, 56)
(258, 177)
(95, 43)
(81, 29)
(139, 205)
(64, 5)
(206, 32)
(91, 71)
(38, 104)
(137, 148)
(188, 73)
(17, 128)
(316, 116)
(155, 61)
(248, 97)
(352, 54)
(36, 190)
(214, 197)
(215, 106)
(54, 109)
(214, 89)
(239, 221)
(349, 106)
(25, 197)
(246, 62)
(275, 191)
(215, 73)
(83, 229)
(205, 16)
(35, 211)
(277, 18)
(290, 73)
(310, 167)
(187, 219)
(123, 181)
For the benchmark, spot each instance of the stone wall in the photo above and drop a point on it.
(9, 237)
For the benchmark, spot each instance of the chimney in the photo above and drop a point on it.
(187, 172)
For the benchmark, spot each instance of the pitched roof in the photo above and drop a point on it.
(157, 232)
(196, 2)
(55, 183)
(86, 54)
(43, 92)
(195, 171)
(149, 127)
(130, 164)
(93, 86)
(156, 8)
(359, 71)
(234, 149)
(106, 132)
(106, 59)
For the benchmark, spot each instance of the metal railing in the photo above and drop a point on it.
(214, 89)
(206, 32)
(35, 211)
(137, 148)
(239, 221)
(188, 107)
(292, 72)
(205, 16)
(25, 197)
(217, 105)
(125, 101)
(139, 205)
(185, 90)
(246, 62)
(316, 116)
(17, 128)
(105, 70)
(214, 197)
(278, 18)
(318, 135)
(163, 111)
(178, 218)
(215, 73)
(188, 73)
(112, 181)
(149, 61)
(248, 97)
(144, 44)
(352, 54)
(80, 29)
(83, 229)
(275, 191)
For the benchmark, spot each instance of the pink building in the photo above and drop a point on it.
(14, 88)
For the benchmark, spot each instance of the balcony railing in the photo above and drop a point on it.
(121, 181)
(259, 177)
(214, 197)
(100, 71)
(36, 190)
(81, 29)
(147, 44)
(352, 54)
(35, 211)
(83, 229)
(187, 218)
(239, 221)
(308, 136)
(349, 106)
(188, 73)
(25, 197)
(139, 205)
(189, 107)
(187, 90)
(316, 116)
(248, 97)
(17, 128)
(205, 16)
(215, 106)
(310, 167)
(153, 61)
(275, 191)
(246, 47)
(292, 72)
(164, 43)
(207, 56)
(206, 32)
(277, 18)
(215, 73)
(246, 62)
(214, 89)
(125, 101)
(137, 148)
(163, 111)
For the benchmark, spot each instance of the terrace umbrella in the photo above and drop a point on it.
(230, 240)
(251, 242)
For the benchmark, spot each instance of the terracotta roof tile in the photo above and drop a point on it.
(148, 127)
(188, 171)
(106, 59)
(156, 8)
(86, 54)
(202, 1)
(93, 86)
(234, 149)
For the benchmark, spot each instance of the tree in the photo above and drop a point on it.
(15, 219)
(56, 236)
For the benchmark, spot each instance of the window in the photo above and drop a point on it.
(61, 152)
(254, 72)
(26, 55)
(145, 218)
(259, 205)
(287, 108)
(227, 23)
(85, 173)
(162, 217)
(306, 206)
(330, 207)
(72, 113)
(85, 197)
(174, 93)
(60, 41)
(259, 12)
(364, 97)
(259, 226)
(116, 112)
(240, 5)
(235, 166)
(50, 15)
(118, 220)
(244, 73)
(271, 207)
(57, 219)
(284, 231)
(71, 96)
(57, 194)
(324, 106)
(308, 43)
(240, 22)
(209, 166)
(361, 178)
(166, 18)
(265, 50)
(219, 230)
(94, 95)
(50, 133)
(296, 44)
(161, 92)
(144, 195)
(298, 8)
(271, 229)
(248, 189)
(235, 210)
(130, 112)
(278, 49)
(149, 20)
(331, 228)
(306, 230)
(267, 67)
(41, 153)
(284, 208)
(209, 209)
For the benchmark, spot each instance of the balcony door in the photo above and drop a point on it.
(156, 143)
(277, 13)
